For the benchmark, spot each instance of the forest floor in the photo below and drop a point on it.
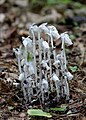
(14, 22)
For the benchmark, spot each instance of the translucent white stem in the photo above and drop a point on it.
(19, 64)
(51, 39)
(49, 54)
(42, 97)
(24, 91)
(62, 58)
(28, 82)
(65, 61)
(66, 89)
(57, 89)
(29, 89)
(40, 57)
(44, 54)
(26, 54)
(34, 55)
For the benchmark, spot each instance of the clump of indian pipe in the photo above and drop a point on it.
(42, 69)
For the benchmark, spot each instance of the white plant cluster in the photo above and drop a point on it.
(41, 74)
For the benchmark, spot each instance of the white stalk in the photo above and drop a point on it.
(25, 46)
(65, 39)
(49, 59)
(29, 89)
(18, 55)
(34, 52)
(57, 84)
(40, 56)
(19, 64)
(66, 88)
(22, 78)
(44, 54)
(28, 82)
(63, 60)
(44, 89)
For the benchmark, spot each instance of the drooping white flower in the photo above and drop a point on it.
(65, 37)
(43, 27)
(33, 27)
(54, 32)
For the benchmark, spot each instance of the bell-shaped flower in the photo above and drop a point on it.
(69, 75)
(33, 27)
(65, 37)
(45, 45)
(21, 76)
(43, 27)
(54, 32)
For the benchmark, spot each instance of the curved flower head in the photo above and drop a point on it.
(33, 27)
(43, 27)
(65, 37)
(53, 31)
